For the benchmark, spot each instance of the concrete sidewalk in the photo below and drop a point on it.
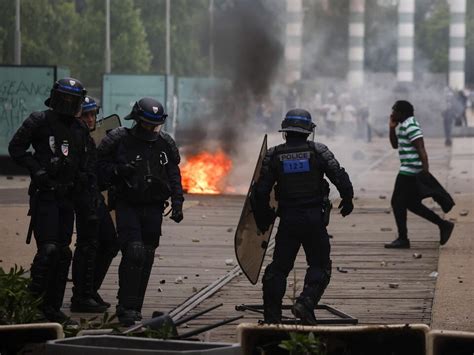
(453, 306)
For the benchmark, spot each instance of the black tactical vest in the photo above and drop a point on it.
(150, 182)
(67, 145)
(299, 176)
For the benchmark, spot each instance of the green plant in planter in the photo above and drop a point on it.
(17, 304)
(105, 322)
(303, 344)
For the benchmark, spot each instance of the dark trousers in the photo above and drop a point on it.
(139, 231)
(299, 227)
(406, 197)
(53, 219)
(96, 246)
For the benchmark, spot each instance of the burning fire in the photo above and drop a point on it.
(205, 173)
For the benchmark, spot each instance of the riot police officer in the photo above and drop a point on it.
(298, 168)
(56, 163)
(141, 165)
(96, 243)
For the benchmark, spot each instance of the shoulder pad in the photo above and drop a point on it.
(112, 139)
(173, 147)
(117, 133)
(319, 147)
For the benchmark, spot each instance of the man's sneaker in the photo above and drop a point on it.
(100, 300)
(399, 243)
(86, 305)
(302, 311)
(445, 231)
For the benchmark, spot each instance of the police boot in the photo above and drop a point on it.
(147, 266)
(83, 278)
(130, 274)
(304, 310)
(102, 265)
(271, 313)
(62, 270)
(127, 317)
(43, 273)
(274, 286)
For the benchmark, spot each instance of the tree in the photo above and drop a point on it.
(188, 35)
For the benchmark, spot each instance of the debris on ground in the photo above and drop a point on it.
(9, 177)
(464, 213)
(340, 269)
(179, 280)
(417, 256)
(203, 216)
(162, 281)
(229, 262)
(434, 274)
(230, 230)
(196, 240)
(197, 275)
(195, 289)
(393, 285)
(386, 229)
(160, 289)
(382, 197)
(383, 263)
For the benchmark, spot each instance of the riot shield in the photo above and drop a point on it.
(103, 126)
(249, 243)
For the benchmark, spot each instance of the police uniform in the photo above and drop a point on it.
(142, 167)
(56, 166)
(96, 241)
(298, 167)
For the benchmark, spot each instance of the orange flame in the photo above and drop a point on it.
(205, 173)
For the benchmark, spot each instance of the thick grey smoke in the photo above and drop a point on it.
(248, 52)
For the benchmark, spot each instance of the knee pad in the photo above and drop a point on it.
(134, 254)
(48, 253)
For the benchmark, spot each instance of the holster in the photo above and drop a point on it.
(327, 207)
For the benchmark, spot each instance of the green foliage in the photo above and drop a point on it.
(189, 21)
(17, 304)
(105, 322)
(432, 36)
(303, 344)
(165, 332)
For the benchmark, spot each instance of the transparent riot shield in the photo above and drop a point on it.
(249, 243)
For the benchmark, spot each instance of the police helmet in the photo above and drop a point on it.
(148, 110)
(297, 120)
(89, 104)
(66, 96)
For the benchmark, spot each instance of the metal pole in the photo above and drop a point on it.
(108, 63)
(406, 35)
(168, 54)
(17, 34)
(211, 38)
(293, 40)
(355, 75)
(457, 44)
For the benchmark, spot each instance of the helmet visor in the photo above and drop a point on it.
(65, 104)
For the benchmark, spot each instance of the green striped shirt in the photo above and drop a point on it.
(408, 131)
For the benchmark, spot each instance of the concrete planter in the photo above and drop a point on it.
(448, 342)
(409, 339)
(15, 337)
(107, 344)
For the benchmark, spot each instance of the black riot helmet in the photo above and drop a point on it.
(148, 110)
(298, 120)
(89, 104)
(66, 96)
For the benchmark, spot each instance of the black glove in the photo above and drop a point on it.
(177, 214)
(125, 170)
(42, 180)
(264, 219)
(346, 206)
